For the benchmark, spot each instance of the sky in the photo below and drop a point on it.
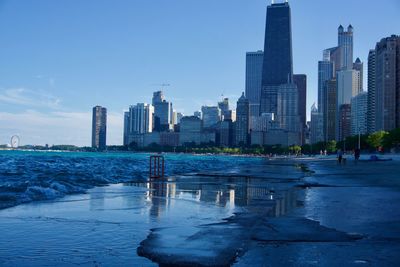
(58, 59)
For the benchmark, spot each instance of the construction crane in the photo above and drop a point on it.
(162, 85)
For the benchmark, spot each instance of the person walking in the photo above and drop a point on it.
(357, 153)
(340, 156)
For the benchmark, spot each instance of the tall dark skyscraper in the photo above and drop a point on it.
(99, 127)
(278, 62)
(387, 84)
(371, 91)
(301, 82)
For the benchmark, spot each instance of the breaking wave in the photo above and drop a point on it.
(32, 176)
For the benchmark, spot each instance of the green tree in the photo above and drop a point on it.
(331, 146)
(295, 149)
(392, 139)
(375, 140)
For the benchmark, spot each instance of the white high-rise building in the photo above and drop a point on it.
(141, 118)
(348, 85)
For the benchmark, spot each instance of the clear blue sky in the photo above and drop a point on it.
(60, 58)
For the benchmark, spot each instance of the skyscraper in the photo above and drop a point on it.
(345, 42)
(277, 62)
(287, 107)
(190, 132)
(359, 114)
(325, 73)
(333, 55)
(138, 120)
(344, 122)
(141, 118)
(211, 115)
(242, 121)
(301, 82)
(316, 125)
(330, 110)
(371, 92)
(359, 66)
(126, 128)
(224, 107)
(99, 127)
(327, 70)
(254, 66)
(387, 84)
(348, 86)
(163, 112)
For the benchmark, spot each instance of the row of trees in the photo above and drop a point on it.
(378, 141)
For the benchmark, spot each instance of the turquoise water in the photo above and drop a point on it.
(27, 176)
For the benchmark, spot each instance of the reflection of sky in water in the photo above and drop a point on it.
(227, 193)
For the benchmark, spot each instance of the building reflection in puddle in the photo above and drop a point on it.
(229, 193)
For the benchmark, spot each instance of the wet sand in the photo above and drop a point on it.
(273, 215)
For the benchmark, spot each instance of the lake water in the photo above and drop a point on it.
(30, 176)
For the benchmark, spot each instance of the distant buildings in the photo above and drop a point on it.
(99, 127)
(339, 81)
(197, 114)
(273, 109)
(224, 107)
(254, 65)
(211, 115)
(316, 124)
(179, 116)
(242, 121)
(190, 130)
(226, 133)
(163, 112)
(301, 82)
(139, 120)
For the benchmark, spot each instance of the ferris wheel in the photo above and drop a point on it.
(14, 141)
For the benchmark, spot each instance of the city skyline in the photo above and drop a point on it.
(31, 98)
